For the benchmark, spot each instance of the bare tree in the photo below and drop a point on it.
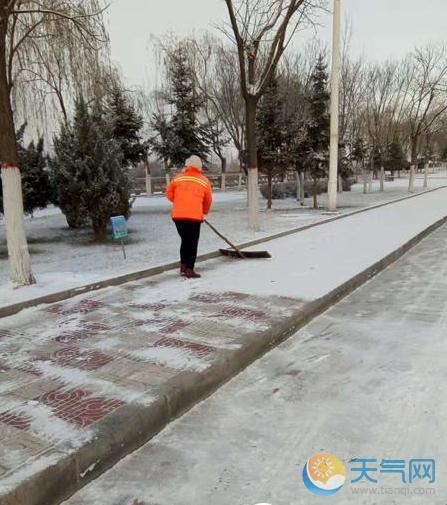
(217, 77)
(352, 92)
(25, 24)
(384, 97)
(426, 98)
(261, 30)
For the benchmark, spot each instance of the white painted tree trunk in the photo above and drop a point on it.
(253, 203)
(370, 177)
(168, 179)
(239, 182)
(340, 184)
(426, 176)
(411, 181)
(18, 254)
(298, 186)
(382, 179)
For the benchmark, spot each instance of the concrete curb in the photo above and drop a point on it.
(130, 427)
(59, 296)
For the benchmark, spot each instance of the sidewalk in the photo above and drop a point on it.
(85, 381)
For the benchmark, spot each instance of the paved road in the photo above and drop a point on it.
(365, 380)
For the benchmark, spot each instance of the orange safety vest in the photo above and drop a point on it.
(191, 194)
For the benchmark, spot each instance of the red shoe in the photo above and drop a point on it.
(192, 274)
(183, 269)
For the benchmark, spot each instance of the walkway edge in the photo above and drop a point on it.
(130, 427)
(9, 310)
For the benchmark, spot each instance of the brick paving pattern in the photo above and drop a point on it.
(71, 364)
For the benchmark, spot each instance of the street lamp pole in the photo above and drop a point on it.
(335, 93)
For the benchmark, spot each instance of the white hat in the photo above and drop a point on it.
(194, 161)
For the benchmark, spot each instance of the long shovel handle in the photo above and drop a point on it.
(217, 232)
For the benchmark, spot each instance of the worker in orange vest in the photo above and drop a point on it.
(191, 195)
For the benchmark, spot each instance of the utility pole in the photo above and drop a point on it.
(335, 98)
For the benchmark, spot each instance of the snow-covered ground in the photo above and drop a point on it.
(364, 380)
(63, 258)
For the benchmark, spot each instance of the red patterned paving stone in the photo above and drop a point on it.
(15, 420)
(138, 323)
(174, 326)
(85, 307)
(200, 350)
(29, 367)
(63, 398)
(95, 327)
(86, 360)
(244, 313)
(91, 410)
(89, 330)
(76, 406)
(148, 306)
(220, 297)
(151, 323)
(72, 336)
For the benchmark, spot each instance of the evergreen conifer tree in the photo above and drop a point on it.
(181, 135)
(271, 135)
(394, 156)
(318, 126)
(126, 125)
(88, 170)
(36, 184)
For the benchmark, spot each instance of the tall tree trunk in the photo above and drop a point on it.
(413, 166)
(302, 196)
(269, 189)
(148, 179)
(315, 192)
(382, 178)
(223, 163)
(412, 177)
(18, 253)
(371, 174)
(298, 186)
(252, 182)
(365, 178)
(426, 176)
(242, 163)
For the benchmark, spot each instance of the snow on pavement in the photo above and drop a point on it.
(91, 355)
(64, 259)
(364, 380)
(312, 263)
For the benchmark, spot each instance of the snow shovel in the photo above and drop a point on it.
(237, 253)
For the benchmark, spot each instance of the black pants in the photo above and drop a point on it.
(189, 232)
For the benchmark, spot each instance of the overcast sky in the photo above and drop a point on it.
(381, 28)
